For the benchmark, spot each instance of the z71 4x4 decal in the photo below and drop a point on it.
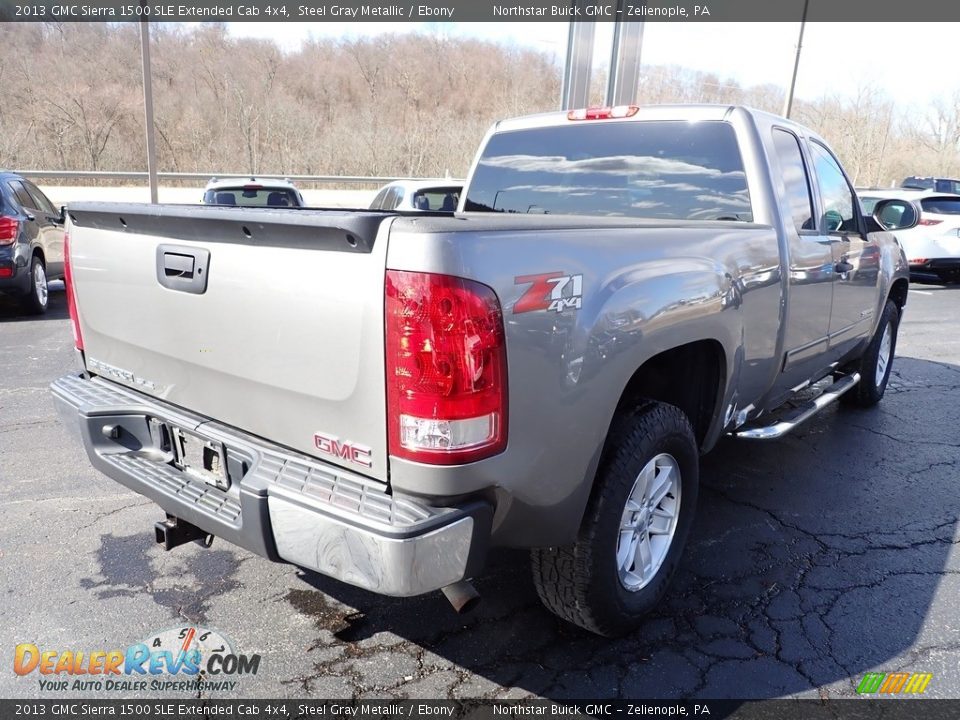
(549, 291)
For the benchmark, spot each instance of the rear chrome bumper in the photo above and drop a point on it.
(280, 504)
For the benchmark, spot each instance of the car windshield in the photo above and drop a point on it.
(651, 169)
(251, 196)
(868, 203)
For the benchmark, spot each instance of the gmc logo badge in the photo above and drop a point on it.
(346, 450)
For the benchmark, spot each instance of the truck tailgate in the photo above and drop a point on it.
(269, 321)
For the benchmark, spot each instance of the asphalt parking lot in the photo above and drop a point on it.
(814, 559)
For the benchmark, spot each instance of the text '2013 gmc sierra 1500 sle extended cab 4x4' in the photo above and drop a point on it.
(382, 398)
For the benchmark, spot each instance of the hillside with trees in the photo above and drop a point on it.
(404, 105)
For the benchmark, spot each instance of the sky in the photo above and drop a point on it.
(910, 62)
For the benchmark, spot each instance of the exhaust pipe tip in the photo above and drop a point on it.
(463, 596)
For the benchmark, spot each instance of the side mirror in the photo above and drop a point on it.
(62, 217)
(832, 220)
(895, 214)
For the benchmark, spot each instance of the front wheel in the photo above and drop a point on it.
(634, 529)
(37, 297)
(877, 360)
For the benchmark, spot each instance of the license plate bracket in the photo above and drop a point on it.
(200, 457)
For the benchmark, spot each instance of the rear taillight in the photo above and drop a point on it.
(71, 294)
(928, 221)
(446, 369)
(603, 113)
(917, 261)
(9, 229)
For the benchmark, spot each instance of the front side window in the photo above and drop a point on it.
(838, 212)
(674, 170)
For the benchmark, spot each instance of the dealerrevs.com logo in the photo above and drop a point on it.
(179, 659)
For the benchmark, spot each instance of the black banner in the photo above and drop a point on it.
(857, 11)
(849, 709)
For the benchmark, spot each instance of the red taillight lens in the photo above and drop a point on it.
(603, 113)
(71, 295)
(9, 229)
(928, 221)
(446, 369)
(917, 261)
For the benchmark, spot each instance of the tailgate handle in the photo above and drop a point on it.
(175, 264)
(184, 269)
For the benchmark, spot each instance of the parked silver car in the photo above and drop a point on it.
(428, 195)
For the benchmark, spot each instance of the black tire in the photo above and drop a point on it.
(35, 302)
(869, 391)
(581, 583)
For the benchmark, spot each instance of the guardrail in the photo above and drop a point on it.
(124, 175)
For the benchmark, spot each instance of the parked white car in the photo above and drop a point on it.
(252, 192)
(933, 246)
(427, 195)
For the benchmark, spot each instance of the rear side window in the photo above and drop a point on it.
(795, 178)
(41, 200)
(377, 203)
(838, 212)
(941, 206)
(20, 192)
(650, 169)
(394, 196)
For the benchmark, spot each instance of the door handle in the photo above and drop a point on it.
(843, 267)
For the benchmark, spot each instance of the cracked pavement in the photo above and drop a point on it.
(813, 560)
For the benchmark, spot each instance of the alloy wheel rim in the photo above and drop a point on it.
(40, 283)
(883, 355)
(648, 522)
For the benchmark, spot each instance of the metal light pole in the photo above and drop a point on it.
(577, 71)
(148, 108)
(624, 78)
(788, 104)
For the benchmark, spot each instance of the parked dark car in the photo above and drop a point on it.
(31, 242)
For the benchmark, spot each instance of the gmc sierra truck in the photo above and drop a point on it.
(382, 397)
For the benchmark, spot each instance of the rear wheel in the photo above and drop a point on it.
(877, 360)
(36, 299)
(634, 528)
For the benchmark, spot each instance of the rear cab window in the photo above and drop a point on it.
(673, 170)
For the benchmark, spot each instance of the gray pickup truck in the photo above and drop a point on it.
(383, 397)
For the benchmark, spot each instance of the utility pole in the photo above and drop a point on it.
(788, 104)
(148, 106)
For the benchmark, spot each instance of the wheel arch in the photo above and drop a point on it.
(691, 377)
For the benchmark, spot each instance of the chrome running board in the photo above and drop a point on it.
(801, 414)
